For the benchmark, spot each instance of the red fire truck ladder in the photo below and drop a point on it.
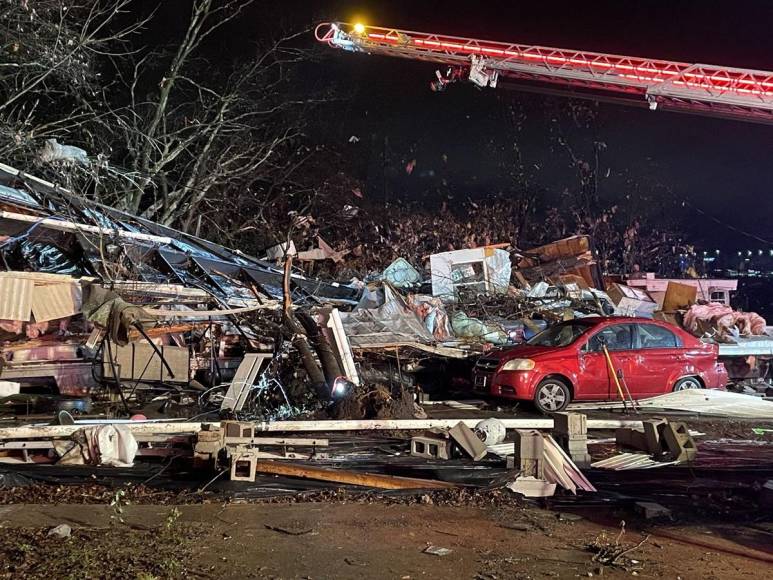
(699, 88)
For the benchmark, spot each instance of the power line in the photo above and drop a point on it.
(726, 225)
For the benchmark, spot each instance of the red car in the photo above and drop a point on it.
(566, 362)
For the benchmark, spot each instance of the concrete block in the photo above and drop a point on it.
(207, 447)
(576, 446)
(570, 425)
(639, 440)
(623, 436)
(243, 467)
(431, 447)
(237, 430)
(208, 436)
(529, 444)
(652, 435)
(680, 445)
(468, 441)
(531, 467)
(581, 460)
(627, 437)
(651, 510)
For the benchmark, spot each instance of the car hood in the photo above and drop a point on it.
(525, 351)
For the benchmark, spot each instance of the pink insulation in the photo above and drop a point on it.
(702, 318)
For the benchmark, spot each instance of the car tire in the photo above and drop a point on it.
(552, 395)
(687, 383)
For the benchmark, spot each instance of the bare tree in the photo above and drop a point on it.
(51, 82)
(200, 133)
(169, 130)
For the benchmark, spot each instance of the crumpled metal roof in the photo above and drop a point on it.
(136, 247)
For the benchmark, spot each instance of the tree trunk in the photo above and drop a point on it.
(319, 341)
(299, 339)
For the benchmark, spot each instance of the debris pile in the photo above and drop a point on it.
(102, 306)
(690, 303)
(136, 344)
(542, 465)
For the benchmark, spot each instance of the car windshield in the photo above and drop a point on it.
(559, 335)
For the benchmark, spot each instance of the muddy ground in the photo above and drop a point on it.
(362, 540)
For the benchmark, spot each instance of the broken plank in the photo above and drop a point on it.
(243, 380)
(376, 480)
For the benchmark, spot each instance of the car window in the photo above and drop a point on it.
(616, 337)
(559, 335)
(654, 336)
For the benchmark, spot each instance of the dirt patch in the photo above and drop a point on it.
(115, 552)
(354, 541)
(376, 402)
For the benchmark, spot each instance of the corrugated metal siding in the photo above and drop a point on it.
(15, 298)
(52, 301)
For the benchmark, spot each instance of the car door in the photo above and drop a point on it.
(655, 359)
(595, 377)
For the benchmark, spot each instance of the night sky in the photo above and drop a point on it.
(723, 167)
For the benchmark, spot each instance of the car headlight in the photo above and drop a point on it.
(518, 364)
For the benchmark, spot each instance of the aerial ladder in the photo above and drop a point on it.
(734, 93)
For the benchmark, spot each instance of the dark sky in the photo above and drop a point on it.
(723, 167)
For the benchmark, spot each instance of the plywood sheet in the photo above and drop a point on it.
(679, 296)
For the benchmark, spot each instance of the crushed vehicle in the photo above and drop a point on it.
(585, 359)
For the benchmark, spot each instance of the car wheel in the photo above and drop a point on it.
(687, 383)
(552, 395)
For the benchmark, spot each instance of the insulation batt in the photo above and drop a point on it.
(724, 319)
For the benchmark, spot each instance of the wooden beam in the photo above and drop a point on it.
(349, 477)
(344, 348)
(422, 424)
(136, 427)
(67, 226)
(151, 427)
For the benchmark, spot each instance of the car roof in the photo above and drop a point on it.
(593, 320)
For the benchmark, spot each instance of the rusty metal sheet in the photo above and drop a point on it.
(52, 301)
(15, 298)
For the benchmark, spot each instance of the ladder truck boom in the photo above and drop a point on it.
(699, 88)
